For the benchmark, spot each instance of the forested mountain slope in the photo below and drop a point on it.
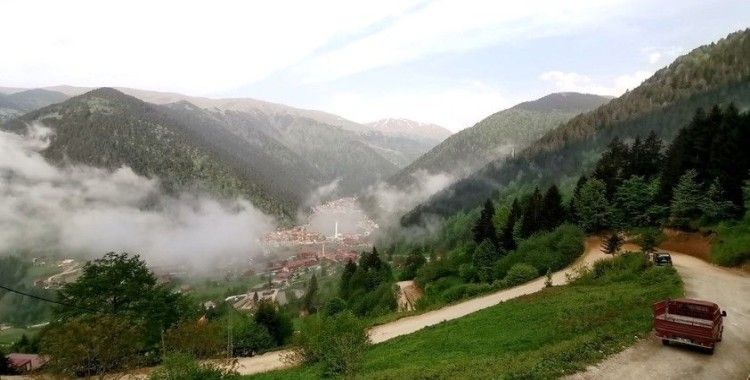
(185, 148)
(500, 134)
(18, 103)
(399, 149)
(718, 73)
(336, 154)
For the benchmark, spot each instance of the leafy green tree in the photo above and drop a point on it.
(413, 262)
(27, 345)
(93, 345)
(612, 244)
(649, 241)
(310, 302)
(248, 337)
(687, 200)
(338, 342)
(334, 306)
(485, 257)
(592, 206)
(278, 324)
(484, 229)
(121, 285)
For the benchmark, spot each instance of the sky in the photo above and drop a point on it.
(449, 62)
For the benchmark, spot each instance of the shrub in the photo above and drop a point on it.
(519, 274)
(180, 366)
(338, 342)
(278, 324)
(92, 345)
(202, 339)
(553, 250)
(379, 301)
(732, 244)
(334, 306)
(249, 337)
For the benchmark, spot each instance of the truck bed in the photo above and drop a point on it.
(682, 319)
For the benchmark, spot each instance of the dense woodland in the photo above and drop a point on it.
(500, 134)
(718, 73)
(637, 187)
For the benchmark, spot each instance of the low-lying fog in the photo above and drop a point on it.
(86, 211)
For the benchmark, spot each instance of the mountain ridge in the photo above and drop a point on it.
(499, 135)
(717, 73)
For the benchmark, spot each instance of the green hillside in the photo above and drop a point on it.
(185, 148)
(335, 153)
(718, 73)
(557, 331)
(500, 134)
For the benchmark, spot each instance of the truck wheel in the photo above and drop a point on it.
(665, 342)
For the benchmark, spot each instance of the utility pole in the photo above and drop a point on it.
(230, 343)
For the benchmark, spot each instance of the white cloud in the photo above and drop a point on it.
(455, 26)
(571, 81)
(657, 56)
(454, 107)
(188, 46)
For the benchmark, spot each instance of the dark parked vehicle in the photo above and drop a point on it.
(689, 321)
(662, 259)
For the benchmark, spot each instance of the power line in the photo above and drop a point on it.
(42, 298)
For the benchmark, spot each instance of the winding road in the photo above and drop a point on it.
(648, 359)
(274, 360)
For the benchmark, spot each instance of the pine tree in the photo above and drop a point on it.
(552, 212)
(484, 229)
(485, 256)
(508, 236)
(612, 166)
(572, 216)
(592, 206)
(686, 201)
(613, 244)
(310, 302)
(344, 285)
(532, 221)
(714, 206)
(370, 260)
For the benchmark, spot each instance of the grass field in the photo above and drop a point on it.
(558, 331)
(10, 336)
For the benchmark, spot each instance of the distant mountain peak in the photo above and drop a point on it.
(564, 101)
(410, 128)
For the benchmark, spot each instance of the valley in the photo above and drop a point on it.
(535, 211)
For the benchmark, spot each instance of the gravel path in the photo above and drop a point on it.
(648, 359)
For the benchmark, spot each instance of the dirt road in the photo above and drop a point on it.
(648, 359)
(408, 325)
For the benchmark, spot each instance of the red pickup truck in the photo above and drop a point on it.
(689, 321)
